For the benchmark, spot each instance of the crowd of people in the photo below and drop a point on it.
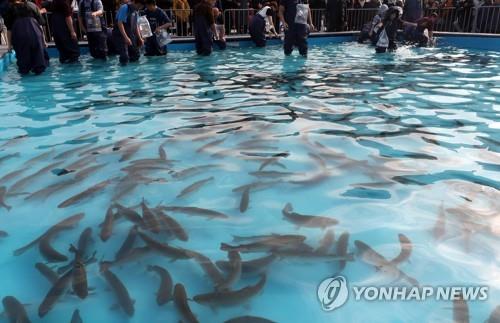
(382, 31)
(140, 25)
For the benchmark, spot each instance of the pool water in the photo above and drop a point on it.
(385, 144)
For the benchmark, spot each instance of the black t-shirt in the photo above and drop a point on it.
(21, 10)
(203, 9)
(156, 18)
(291, 9)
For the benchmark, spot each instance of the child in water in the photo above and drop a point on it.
(158, 21)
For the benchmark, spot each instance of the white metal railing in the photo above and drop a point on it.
(485, 19)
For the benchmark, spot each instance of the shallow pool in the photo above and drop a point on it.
(403, 146)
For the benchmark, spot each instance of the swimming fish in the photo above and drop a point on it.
(149, 218)
(494, 316)
(38, 158)
(341, 249)
(7, 177)
(86, 194)
(285, 238)
(249, 319)
(271, 174)
(306, 252)
(326, 242)
(15, 310)
(3, 191)
(208, 267)
(190, 210)
(231, 297)
(76, 318)
(406, 249)
(271, 161)
(171, 225)
(191, 171)
(94, 150)
(370, 256)
(67, 153)
(210, 144)
(256, 186)
(48, 273)
(164, 293)
(245, 200)
(86, 172)
(310, 221)
(3, 234)
(270, 243)
(162, 153)
(249, 267)
(79, 282)
(194, 187)
(20, 184)
(234, 272)
(47, 191)
(84, 240)
(55, 293)
(129, 214)
(121, 292)
(130, 150)
(10, 156)
(165, 249)
(460, 310)
(82, 162)
(133, 255)
(440, 227)
(62, 225)
(48, 252)
(107, 225)
(181, 303)
(127, 244)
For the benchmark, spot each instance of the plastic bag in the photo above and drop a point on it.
(163, 38)
(302, 14)
(144, 27)
(383, 39)
(93, 23)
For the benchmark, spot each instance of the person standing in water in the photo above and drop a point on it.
(260, 24)
(24, 34)
(126, 35)
(91, 20)
(295, 16)
(64, 32)
(204, 27)
(159, 22)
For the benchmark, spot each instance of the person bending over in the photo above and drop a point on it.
(260, 25)
(159, 22)
(388, 30)
(369, 30)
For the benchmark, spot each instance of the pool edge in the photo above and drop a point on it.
(462, 40)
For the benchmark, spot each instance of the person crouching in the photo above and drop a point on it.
(260, 24)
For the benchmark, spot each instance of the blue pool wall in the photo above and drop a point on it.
(461, 40)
